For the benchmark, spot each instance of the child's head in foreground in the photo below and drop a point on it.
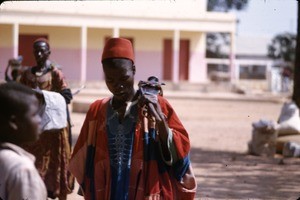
(19, 114)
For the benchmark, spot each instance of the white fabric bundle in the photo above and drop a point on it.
(263, 141)
(55, 113)
(289, 120)
(291, 149)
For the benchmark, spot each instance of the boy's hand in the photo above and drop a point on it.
(150, 101)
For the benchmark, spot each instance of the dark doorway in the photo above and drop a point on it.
(184, 56)
(168, 59)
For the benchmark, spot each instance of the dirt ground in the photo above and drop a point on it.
(219, 131)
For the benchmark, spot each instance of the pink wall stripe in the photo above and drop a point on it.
(148, 63)
(69, 60)
(198, 69)
(94, 66)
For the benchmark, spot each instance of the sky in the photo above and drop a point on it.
(267, 18)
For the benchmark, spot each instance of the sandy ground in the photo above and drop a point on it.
(219, 131)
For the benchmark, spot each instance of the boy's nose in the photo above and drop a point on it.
(120, 86)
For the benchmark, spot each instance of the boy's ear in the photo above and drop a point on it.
(13, 122)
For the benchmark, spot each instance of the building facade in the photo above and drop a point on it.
(169, 38)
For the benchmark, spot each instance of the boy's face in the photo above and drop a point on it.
(41, 52)
(119, 78)
(29, 122)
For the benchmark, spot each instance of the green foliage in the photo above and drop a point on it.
(214, 44)
(226, 5)
(283, 46)
(216, 41)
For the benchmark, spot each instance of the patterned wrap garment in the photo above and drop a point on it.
(52, 80)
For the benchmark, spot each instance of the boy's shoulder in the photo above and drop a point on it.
(13, 157)
(97, 105)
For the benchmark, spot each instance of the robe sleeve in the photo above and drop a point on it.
(77, 161)
(182, 173)
(180, 136)
(85, 142)
(58, 80)
(171, 148)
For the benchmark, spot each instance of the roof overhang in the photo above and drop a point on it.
(77, 16)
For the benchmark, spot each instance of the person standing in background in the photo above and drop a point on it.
(53, 149)
(286, 78)
(15, 68)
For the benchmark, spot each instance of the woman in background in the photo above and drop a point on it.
(53, 149)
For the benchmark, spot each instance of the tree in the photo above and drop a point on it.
(283, 47)
(216, 41)
(214, 44)
(296, 91)
(226, 5)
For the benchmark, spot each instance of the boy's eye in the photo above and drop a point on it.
(40, 51)
(125, 78)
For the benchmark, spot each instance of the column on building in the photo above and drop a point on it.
(15, 33)
(116, 32)
(176, 46)
(197, 63)
(234, 71)
(269, 75)
(83, 54)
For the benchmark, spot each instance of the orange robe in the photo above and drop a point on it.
(149, 178)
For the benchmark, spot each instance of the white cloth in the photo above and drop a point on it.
(55, 114)
(289, 120)
(19, 177)
(291, 149)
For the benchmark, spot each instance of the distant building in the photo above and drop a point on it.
(252, 56)
(169, 37)
(253, 68)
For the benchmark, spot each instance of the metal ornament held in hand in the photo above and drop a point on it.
(151, 87)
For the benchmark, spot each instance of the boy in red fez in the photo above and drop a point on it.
(132, 145)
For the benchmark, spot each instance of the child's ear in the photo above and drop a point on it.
(13, 122)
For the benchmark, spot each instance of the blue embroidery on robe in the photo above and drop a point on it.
(120, 141)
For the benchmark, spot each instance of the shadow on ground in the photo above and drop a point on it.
(230, 175)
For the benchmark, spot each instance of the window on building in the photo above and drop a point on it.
(253, 72)
(218, 72)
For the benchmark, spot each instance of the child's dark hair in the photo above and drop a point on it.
(13, 98)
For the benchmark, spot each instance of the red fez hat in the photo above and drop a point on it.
(118, 48)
